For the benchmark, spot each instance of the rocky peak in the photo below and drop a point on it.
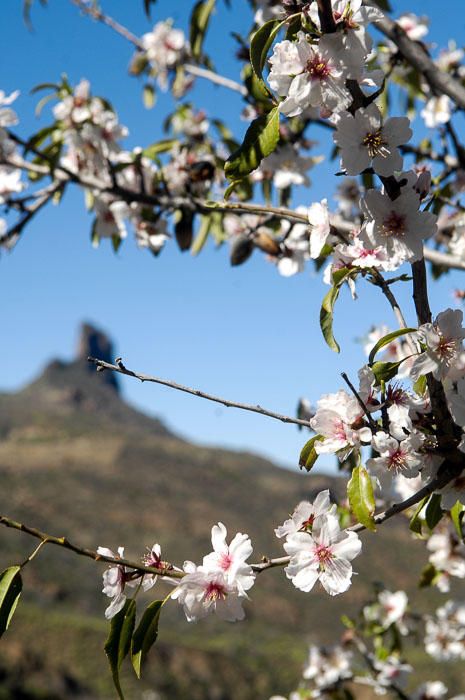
(92, 341)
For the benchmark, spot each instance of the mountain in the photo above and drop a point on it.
(77, 460)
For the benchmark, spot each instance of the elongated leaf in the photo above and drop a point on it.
(259, 47)
(159, 147)
(326, 318)
(361, 497)
(308, 455)
(11, 586)
(428, 576)
(147, 7)
(149, 96)
(433, 512)
(416, 521)
(119, 641)
(384, 371)
(200, 18)
(260, 140)
(145, 635)
(457, 514)
(327, 306)
(202, 234)
(385, 340)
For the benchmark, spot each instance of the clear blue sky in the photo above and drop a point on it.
(244, 333)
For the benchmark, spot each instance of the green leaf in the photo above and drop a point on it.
(384, 371)
(361, 497)
(428, 576)
(327, 306)
(308, 455)
(259, 47)
(11, 586)
(145, 635)
(119, 640)
(260, 140)
(420, 385)
(116, 241)
(326, 318)
(202, 235)
(433, 512)
(149, 96)
(457, 513)
(200, 18)
(159, 147)
(416, 522)
(385, 340)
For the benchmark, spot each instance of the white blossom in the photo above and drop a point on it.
(318, 217)
(397, 225)
(444, 355)
(231, 560)
(285, 167)
(164, 48)
(431, 690)
(364, 140)
(324, 554)
(202, 592)
(326, 666)
(445, 633)
(305, 513)
(308, 75)
(415, 27)
(437, 111)
(7, 116)
(338, 420)
(114, 581)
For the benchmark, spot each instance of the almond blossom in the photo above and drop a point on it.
(318, 217)
(389, 609)
(305, 513)
(444, 355)
(351, 18)
(324, 554)
(7, 116)
(447, 554)
(431, 690)
(396, 457)
(308, 75)
(285, 167)
(437, 111)
(231, 559)
(397, 225)
(201, 592)
(338, 419)
(163, 49)
(445, 633)
(363, 140)
(326, 666)
(114, 580)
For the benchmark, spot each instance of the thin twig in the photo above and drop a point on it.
(372, 423)
(109, 21)
(119, 367)
(133, 39)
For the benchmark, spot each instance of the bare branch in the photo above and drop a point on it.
(119, 367)
(416, 54)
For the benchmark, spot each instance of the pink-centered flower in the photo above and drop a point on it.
(305, 514)
(324, 554)
(230, 559)
(444, 355)
(203, 592)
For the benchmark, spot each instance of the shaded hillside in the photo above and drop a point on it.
(76, 460)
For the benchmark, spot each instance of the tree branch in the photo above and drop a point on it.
(415, 54)
(119, 367)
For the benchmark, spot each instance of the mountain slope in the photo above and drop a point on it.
(76, 460)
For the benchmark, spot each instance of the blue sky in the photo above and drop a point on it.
(244, 333)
